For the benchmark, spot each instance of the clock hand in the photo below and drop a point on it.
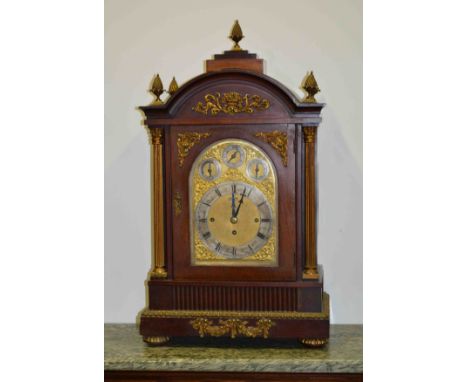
(240, 202)
(256, 171)
(233, 156)
(233, 204)
(209, 169)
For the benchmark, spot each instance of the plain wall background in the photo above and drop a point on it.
(145, 37)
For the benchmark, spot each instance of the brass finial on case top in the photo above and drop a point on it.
(157, 89)
(236, 35)
(311, 87)
(173, 86)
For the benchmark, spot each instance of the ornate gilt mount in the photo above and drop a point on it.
(309, 134)
(156, 136)
(311, 87)
(314, 342)
(279, 141)
(236, 35)
(173, 87)
(155, 340)
(185, 141)
(159, 272)
(231, 103)
(157, 89)
(233, 327)
(177, 203)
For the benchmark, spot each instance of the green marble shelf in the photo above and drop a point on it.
(125, 350)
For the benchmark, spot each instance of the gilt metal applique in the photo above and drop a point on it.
(185, 141)
(233, 327)
(311, 87)
(177, 203)
(231, 103)
(279, 141)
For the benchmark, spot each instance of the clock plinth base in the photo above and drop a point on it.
(312, 328)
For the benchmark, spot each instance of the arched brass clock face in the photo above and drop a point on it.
(233, 204)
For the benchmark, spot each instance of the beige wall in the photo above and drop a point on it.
(143, 37)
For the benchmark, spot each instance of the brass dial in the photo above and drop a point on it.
(233, 204)
(234, 219)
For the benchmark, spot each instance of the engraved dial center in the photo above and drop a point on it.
(224, 224)
(234, 219)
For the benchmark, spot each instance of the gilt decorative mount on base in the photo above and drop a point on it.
(232, 327)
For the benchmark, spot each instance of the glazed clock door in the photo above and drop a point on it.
(235, 215)
(233, 198)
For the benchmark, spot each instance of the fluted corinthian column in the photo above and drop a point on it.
(158, 269)
(310, 266)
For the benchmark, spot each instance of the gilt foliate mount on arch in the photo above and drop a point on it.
(231, 103)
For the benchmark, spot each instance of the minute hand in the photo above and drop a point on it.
(233, 205)
(240, 203)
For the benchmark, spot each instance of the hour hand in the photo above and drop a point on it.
(233, 202)
(233, 155)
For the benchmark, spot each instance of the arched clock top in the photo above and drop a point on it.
(229, 94)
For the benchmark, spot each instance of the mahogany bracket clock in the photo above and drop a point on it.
(234, 207)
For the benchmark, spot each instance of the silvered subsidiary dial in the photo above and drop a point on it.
(210, 169)
(257, 169)
(234, 219)
(233, 156)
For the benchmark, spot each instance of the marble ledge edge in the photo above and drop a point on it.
(248, 366)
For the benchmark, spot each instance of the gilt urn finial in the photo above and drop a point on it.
(236, 35)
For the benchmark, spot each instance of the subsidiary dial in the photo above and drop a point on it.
(257, 169)
(210, 169)
(233, 156)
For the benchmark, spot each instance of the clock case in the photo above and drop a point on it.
(281, 302)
